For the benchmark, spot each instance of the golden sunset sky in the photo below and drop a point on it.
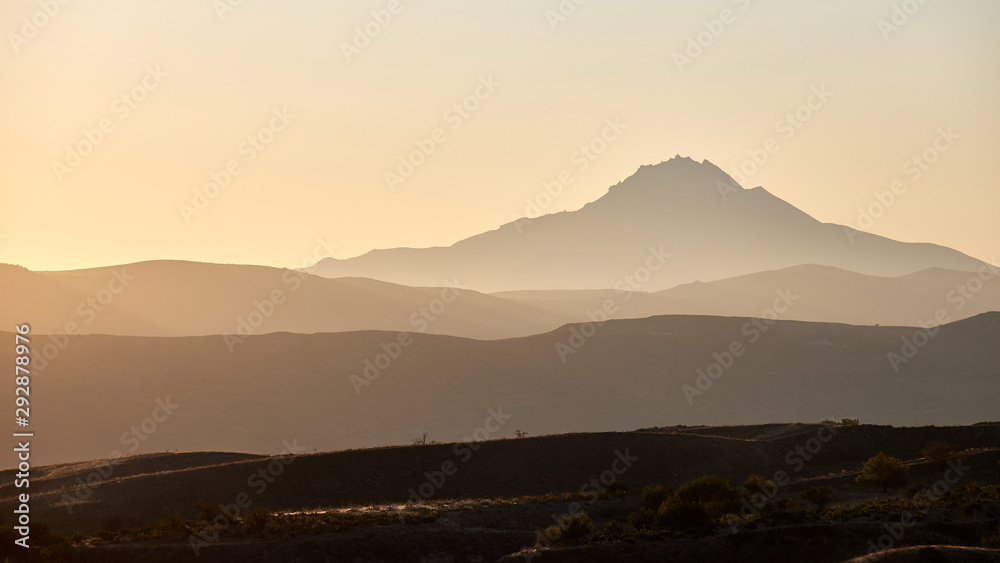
(309, 112)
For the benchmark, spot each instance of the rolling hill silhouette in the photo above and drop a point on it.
(173, 298)
(358, 389)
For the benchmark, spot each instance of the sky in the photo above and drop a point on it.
(245, 131)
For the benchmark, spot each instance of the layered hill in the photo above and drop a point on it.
(362, 389)
(711, 227)
(822, 293)
(174, 298)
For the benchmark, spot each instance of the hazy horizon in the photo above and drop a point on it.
(546, 86)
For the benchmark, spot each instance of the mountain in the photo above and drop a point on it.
(172, 298)
(362, 389)
(711, 227)
(818, 293)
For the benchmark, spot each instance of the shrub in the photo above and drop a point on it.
(678, 514)
(757, 483)
(713, 492)
(885, 472)
(643, 519)
(820, 495)
(571, 528)
(173, 524)
(938, 453)
(256, 521)
(850, 422)
(653, 497)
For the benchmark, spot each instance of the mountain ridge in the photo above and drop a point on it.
(713, 227)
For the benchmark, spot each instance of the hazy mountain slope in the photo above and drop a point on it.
(677, 206)
(823, 293)
(630, 374)
(172, 298)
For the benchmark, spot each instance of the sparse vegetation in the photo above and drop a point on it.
(757, 483)
(884, 471)
(653, 497)
(713, 492)
(821, 495)
(257, 521)
(697, 509)
(571, 529)
(939, 453)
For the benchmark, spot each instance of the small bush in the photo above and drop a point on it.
(653, 497)
(643, 519)
(576, 526)
(820, 495)
(757, 483)
(850, 422)
(256, 521)
(173, 524)
(570, 529)
(676, 514)
(939, 453)
(885, 472)
(713, 492)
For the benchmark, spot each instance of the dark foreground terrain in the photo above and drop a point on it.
(748, 493)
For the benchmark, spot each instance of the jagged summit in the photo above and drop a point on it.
(675, 177)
